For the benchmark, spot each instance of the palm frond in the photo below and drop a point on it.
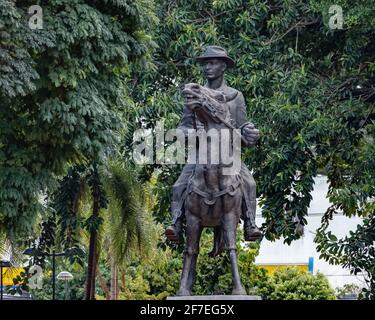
(127, 214)
(4, 246)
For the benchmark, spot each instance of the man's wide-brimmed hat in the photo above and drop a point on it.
(216, 52)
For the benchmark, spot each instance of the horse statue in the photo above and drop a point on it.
(213, 199)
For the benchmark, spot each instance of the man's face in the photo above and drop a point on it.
(213, 68)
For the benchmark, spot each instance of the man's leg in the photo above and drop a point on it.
(251, 231)
(173, 232)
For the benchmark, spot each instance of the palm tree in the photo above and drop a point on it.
(126, 225)
(117, 204)
(92, 224)
(80, 197)
(112, 205)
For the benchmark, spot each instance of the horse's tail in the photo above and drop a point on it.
(218, 242)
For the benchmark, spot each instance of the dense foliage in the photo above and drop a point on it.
(75, 287)
(71, 91)
(292, 284)
(63, 90)
(308, 88)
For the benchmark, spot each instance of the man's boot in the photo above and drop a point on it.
(251, 231)
(173, 232)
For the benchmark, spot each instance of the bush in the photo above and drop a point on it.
(291, 283)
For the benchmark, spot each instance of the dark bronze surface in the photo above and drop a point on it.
(203, 195)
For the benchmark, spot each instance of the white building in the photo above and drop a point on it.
(303, 251)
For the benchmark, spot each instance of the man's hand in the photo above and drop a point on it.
(250, 134)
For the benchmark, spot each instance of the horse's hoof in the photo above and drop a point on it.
(183, 292)
(239, 291)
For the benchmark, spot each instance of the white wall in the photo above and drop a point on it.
(299, 251)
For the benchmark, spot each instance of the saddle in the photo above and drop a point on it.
(210, 197)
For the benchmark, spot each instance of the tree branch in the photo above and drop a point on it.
(298, 24)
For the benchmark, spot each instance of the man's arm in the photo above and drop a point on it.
(248, 130)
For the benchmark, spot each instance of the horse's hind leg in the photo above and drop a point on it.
(218, 242)
(230, 225)
(193, 233)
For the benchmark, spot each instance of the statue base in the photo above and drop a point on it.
(216, 297)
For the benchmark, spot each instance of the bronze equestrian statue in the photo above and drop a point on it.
(203, 194)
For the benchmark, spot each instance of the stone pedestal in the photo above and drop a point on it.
(215, 297)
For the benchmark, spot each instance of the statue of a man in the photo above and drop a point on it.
(214, 62)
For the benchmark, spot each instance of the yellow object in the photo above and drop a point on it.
(9, 274)
(272, 268)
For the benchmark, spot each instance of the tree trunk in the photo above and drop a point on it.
(91, 268)
(92, 259)
(96, 264)
(114, 280)
(103, 285)
(123, 284)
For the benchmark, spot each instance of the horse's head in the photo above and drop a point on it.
(193, 95)
(196, 96)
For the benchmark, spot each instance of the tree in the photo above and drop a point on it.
(126, 227)
(105, 204)
(74, 208)
(92, 224)
(308, 88)
(355, 251)
(62, 91)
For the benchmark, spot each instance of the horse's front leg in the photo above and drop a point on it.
(230, 221)
(193, 233)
